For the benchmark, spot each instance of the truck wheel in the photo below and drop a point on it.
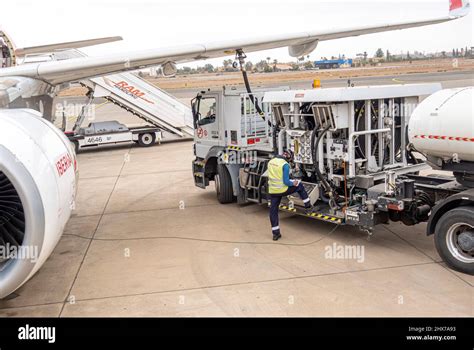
(223, 182)
(146, 140)
(454, 239)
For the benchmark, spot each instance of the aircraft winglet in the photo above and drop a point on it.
(459, 8)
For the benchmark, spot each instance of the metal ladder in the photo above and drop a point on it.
(253, 183)
(147, 102)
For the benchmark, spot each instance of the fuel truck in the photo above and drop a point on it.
(364, 155)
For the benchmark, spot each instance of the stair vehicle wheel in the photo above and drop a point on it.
(146, 139)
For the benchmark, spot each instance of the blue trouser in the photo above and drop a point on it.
(275, 200)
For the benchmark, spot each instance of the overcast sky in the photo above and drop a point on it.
(149, 24)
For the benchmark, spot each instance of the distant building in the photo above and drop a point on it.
(331, 64)
(283, 67)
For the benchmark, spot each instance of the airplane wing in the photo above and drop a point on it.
(64, 46)
(299, 44)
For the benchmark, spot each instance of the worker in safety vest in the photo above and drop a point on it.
(280, 185)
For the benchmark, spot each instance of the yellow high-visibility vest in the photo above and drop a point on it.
(275, 176)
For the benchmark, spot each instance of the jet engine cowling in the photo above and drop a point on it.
(38, 181)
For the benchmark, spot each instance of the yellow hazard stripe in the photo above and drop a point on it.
(325, 217)
(235, 148)
(318, 216)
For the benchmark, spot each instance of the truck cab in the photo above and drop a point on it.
(228, 118)
(228, 127)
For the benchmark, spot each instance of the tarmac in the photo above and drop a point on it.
(144, 241)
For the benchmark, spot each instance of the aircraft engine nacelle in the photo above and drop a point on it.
(169, 69)
(38, 181)
(302, 49)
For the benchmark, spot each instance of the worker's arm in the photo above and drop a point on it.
(286, 176)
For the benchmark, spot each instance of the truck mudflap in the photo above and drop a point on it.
(199, 168)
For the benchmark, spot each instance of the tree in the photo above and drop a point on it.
(308, 65)
(249, 66)
(262, 65)
(295, 66)
(379, 53)
(275, 62)
(209, 68)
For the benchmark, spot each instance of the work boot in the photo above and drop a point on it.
(276, 237)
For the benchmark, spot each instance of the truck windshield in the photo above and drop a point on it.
(207, 111)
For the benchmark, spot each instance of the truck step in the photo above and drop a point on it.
(253, 200)
(316, 215)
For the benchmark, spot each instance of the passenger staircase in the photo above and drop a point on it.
(132, 93)
(146, 101)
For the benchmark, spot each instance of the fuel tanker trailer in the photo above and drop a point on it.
(442, 129)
